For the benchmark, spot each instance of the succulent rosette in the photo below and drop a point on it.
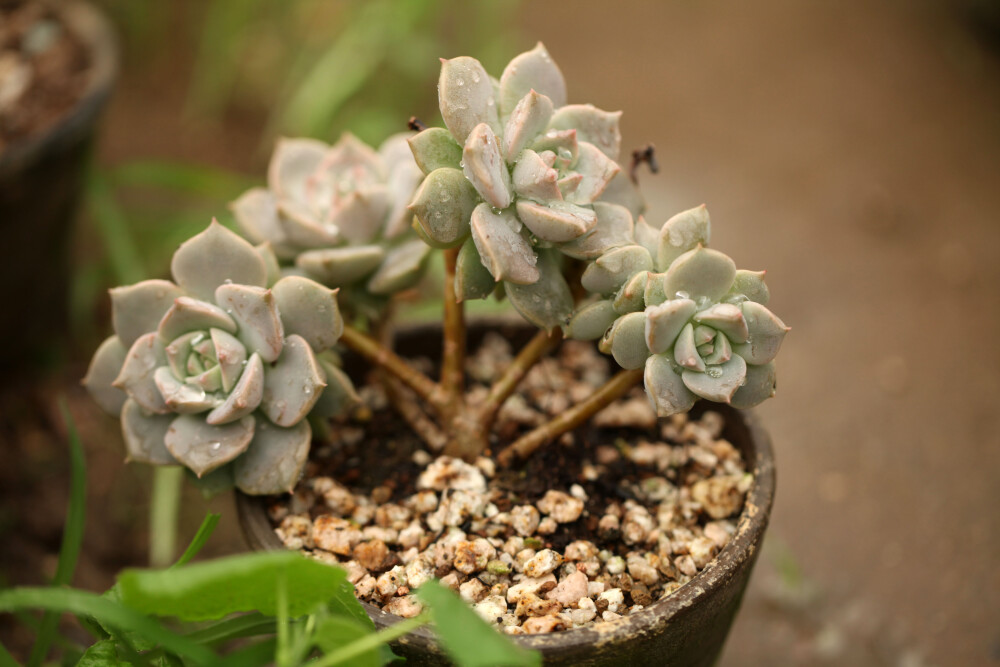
(216, 368)
(698, 325)
(517, 177)
(338, 214)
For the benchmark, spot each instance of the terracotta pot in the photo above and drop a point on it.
(41, 179)
(687, 628)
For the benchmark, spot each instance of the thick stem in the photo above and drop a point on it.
(613, 389)
(402, 401)
(392, 363)
(542, 343)
(164, 510)
(453, 354)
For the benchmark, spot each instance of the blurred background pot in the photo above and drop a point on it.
(41, 179)
(688, 628)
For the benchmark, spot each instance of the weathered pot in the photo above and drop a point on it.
(41, 179)
(687, 628)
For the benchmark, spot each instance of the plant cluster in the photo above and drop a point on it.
(525, 197)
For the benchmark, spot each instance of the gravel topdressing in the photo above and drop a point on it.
(599, 525)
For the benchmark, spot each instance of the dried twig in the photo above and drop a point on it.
(646, 154)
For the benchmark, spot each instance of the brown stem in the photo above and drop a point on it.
(567, 421)
(404, 403)
(538, 347)
(388, 360)
(453, 355)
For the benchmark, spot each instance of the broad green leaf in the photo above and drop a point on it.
(108, 613)
(101, 654)
(224, 586)
(467, 639)
(335, 632)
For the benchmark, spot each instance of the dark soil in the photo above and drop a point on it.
(43, 69)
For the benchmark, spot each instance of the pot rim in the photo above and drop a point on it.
(750, 528)
(92, 28)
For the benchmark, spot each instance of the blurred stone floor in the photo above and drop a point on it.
(852, 149)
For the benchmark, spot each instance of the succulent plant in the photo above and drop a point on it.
(698, 325)
(518, 177)
(216, 367)
(339, 214)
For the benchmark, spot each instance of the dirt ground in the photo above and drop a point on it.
(851, 150)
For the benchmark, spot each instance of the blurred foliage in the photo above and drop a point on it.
(317, 67)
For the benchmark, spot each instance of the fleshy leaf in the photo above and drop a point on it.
(435, 148)
(717, 383)
(339, 267)
(758, 387)
(359, 215)
(138, 309)
(665, 388)
(728, 319)
(266, 252)
(622, 191)
(179, 350)
(546, 303)
(647, 236)
(597, 171)
(401, 268)
(505, 252)
(751, 285)
(766, 333)
(256, 215)
(339, 394)
(274, 461)
(203, 447)
(529, 119)
(181, 397)
(703, 335)
(214, 257)
(255, 312)
(592, 321)
(701, 272)
(187, 315)
(612, 269)
(444, 204)
(465, 95)
(293, 162)
(592, 125)
(630, 297)
(402, 182)
(144, 436)
(534, 179)
(136, 376)
(685, 231)
(722, 351)
(310, 310)
(231, 355)
(292, 384)
(532, 70)
(472, 279)
(627, 339)
(655, 289)
(485, 168)
(557, 144)
(303, 228)
(244, 397)
(104, 368)
(556, 222)
(686, 351)
(614, 229)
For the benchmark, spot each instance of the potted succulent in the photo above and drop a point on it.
(591, 523)
(57, 67)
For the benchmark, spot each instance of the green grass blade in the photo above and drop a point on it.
(6, 659)
(114, 230)
(370, 641)
(72, 539)
(107, 612)
(199, 539)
